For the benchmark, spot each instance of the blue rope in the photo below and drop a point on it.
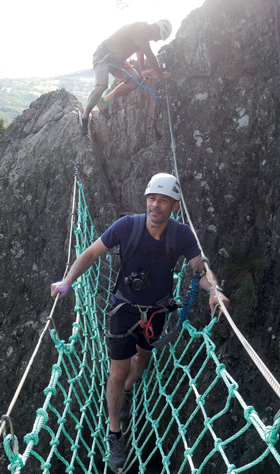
(189, 300)
(151, 91)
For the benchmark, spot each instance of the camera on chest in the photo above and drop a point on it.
(138, 280)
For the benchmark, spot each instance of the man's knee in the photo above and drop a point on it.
(100, 88)
(118, 371)
(142, 357)
(132, 77)
(132, 83)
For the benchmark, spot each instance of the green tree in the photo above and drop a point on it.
(3, 127)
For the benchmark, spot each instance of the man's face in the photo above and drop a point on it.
(159, 208)
(156, 33)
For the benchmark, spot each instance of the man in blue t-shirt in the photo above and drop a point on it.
(142, 292)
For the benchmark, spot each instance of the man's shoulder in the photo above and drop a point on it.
(126, 222)
(178, 226)
(139, 30)
(117, 232)
(138, 25)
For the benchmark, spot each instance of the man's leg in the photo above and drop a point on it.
(124, 87)
(93, 99)
(119, 371)
(101, 72)
(138, 364)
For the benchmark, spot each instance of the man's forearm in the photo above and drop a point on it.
(80, 266)
(153, 62)
(205, 283)
(141, 60)
(85, 260)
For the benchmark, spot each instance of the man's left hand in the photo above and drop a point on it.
(147, 73)
(213, 300)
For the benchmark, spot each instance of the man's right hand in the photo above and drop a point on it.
(147, 73)
(60, 288)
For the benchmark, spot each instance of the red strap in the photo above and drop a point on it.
(148, 326)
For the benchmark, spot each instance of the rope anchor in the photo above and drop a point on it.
(12, 437)
(217, 306)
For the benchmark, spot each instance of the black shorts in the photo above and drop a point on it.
(125, 347)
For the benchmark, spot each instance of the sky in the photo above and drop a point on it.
(54, 37)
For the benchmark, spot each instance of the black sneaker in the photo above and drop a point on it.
(104, 108)
(117, 447)
(125, 411)
(83, 127)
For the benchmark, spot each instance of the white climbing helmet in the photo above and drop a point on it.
(165, 28)
(163, 183)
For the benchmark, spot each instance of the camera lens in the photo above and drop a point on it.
(137, 284)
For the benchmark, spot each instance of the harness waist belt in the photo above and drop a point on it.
(159, 304)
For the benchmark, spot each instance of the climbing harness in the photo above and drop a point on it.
(143, 322)
(163, 305)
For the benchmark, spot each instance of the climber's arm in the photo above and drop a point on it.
(152, 60)
(80, 266)
(206, 284)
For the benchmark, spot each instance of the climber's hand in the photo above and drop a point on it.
(60, 288)
(213, 300)
(147, 73)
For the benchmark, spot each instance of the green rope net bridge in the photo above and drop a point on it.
(181, 407)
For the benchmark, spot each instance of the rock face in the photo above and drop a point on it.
(224, 127)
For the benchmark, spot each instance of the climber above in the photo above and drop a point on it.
(142, 291)
(111, 56)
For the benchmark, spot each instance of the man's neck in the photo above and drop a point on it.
(156, 230)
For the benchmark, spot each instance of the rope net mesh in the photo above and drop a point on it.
(181, 409)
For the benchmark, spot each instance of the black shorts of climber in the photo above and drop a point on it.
(121, 322)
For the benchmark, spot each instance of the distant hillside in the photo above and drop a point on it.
(17, 94)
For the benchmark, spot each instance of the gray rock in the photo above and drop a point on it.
(224, 109)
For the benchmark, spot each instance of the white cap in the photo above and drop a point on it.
(163, 183)
(165, 28)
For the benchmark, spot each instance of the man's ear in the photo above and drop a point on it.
(175, 206)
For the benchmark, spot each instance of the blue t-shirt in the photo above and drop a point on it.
(150, 255)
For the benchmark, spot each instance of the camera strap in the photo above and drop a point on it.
(139, 223)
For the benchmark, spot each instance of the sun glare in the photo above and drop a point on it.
(61, 37)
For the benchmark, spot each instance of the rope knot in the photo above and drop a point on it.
(148, 328)
(249, 412)
(271, 434)
(147, 324)
(31, 438)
